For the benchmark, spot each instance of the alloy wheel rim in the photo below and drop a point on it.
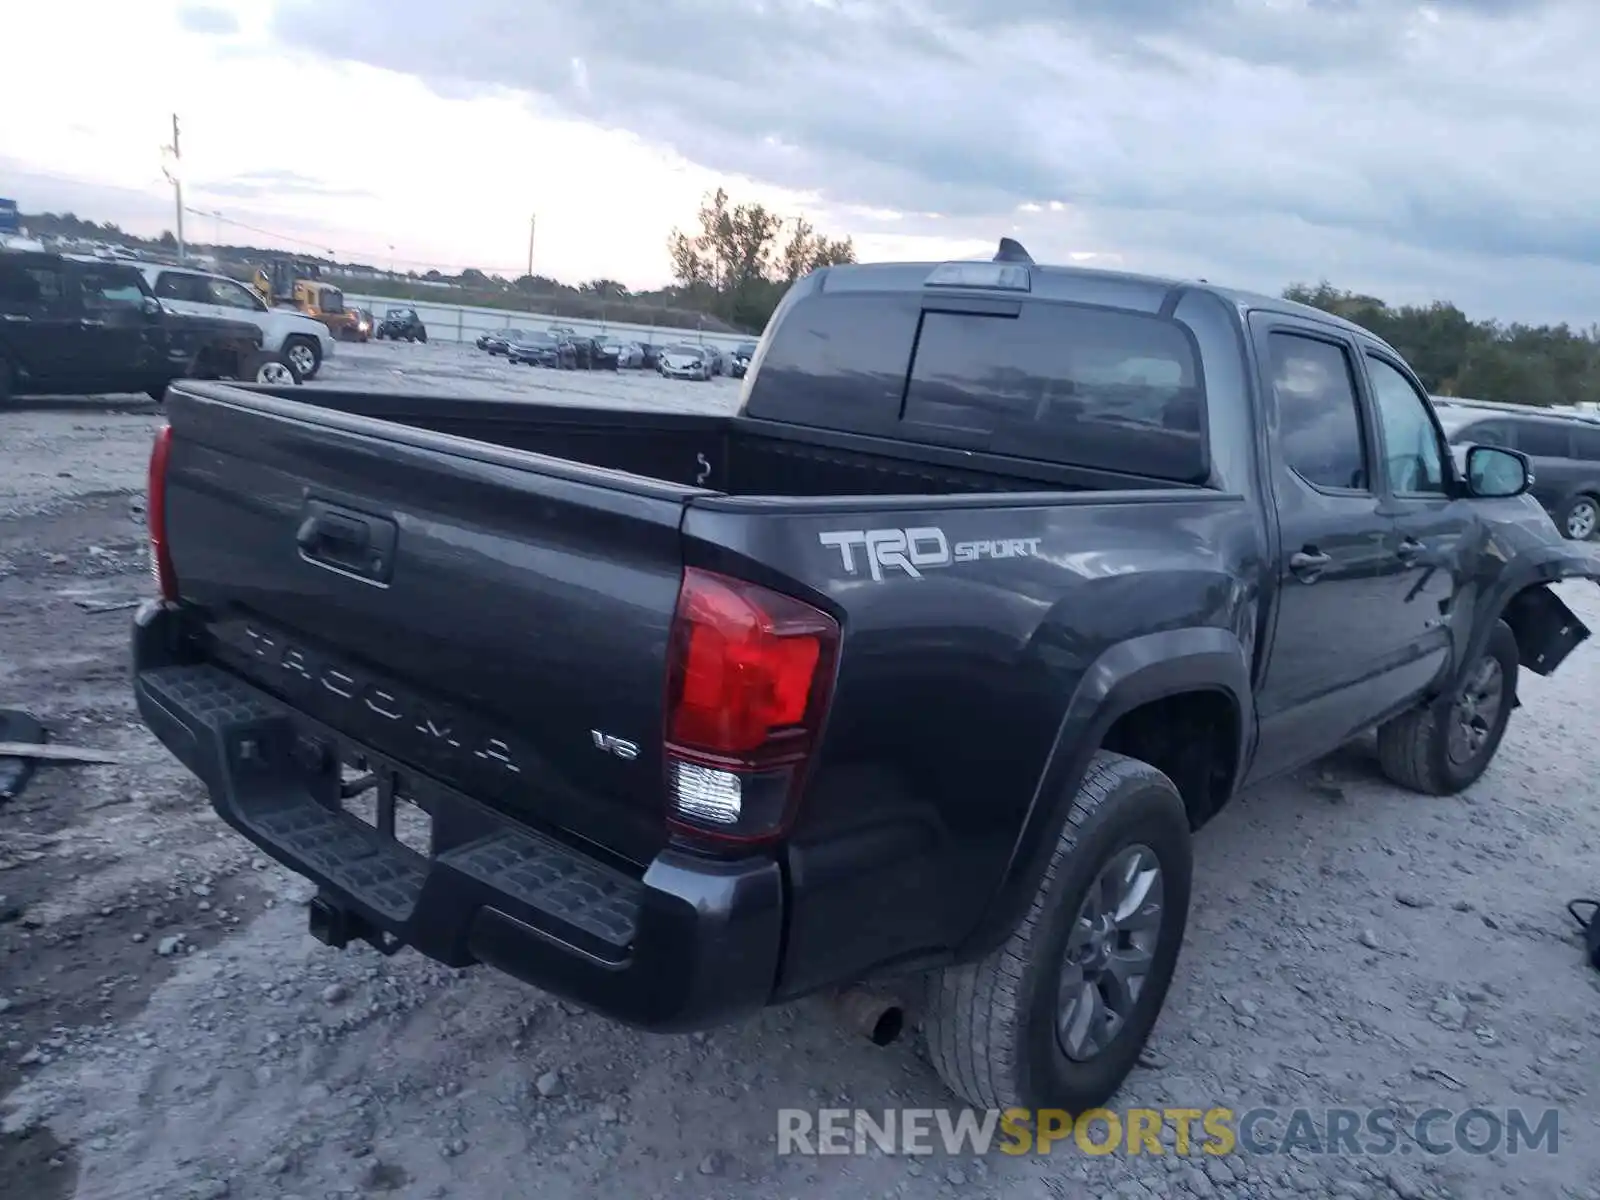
(1110, 951)
(1476, 711)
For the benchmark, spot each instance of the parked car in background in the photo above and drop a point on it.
(1563, 448)
(70, 325)
(629, 355)
(740, 361)
(651, 356)
(483, 339)
(580, 353)
(302, 340)
(536, 348)
(716, 357)
(402, 324)
(685, 361)
(500, 341)
(563, 331)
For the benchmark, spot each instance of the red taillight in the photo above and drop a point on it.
(155, 508)
(749, 681)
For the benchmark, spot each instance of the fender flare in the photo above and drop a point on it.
(1533, 568)
(1127, 675)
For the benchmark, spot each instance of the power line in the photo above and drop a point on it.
(323, 249)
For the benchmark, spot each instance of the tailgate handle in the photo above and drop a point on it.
(347, 541)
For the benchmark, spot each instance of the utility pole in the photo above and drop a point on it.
(533, 223)
(176, 176)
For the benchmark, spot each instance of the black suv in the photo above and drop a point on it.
(1564, 449)
(402, 324)
(71, 325)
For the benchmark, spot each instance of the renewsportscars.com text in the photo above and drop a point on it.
(1179, 1131)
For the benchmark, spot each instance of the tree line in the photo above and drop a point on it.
(1454, 355)
(743, 257)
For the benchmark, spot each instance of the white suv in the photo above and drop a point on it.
(304, 342)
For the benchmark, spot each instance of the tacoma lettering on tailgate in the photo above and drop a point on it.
(356, 702)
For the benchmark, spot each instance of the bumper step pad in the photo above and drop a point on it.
(562, 890)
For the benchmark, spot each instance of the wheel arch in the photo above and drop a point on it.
(1205, 669)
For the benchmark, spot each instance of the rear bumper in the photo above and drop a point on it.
(689, 944)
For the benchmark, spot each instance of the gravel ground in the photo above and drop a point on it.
(168, 1029)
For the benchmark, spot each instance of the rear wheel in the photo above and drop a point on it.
(422, 336)
(1056, 1017)
(1443, 747)
(1581, 518)
(305, 354)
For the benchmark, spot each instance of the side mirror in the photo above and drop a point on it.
(1496, 473)
(152, 307)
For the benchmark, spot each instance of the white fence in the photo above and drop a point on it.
(457, 323)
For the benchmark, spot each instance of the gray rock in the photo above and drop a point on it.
(335, 993)
(276, 1165)
(209, 1189)
(1450, 1012)
(167, 947)
(715, 1163)
(548, 1084)
(1368, 939)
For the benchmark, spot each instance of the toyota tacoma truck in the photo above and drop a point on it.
(914, 676)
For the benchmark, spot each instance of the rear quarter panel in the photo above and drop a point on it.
(953, 687)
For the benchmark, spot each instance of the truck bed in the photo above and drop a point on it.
(732, 455)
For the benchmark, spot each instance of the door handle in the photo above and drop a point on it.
(1307, 565)
(1408, 550)
(348, 541)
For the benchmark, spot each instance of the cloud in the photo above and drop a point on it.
(1259, 139)
(274, 183)
(203, 18)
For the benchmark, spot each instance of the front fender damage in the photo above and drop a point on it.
(1547, 630)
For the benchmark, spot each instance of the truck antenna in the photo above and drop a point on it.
(1011, 251)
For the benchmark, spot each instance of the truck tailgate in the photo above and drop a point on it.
(496, 620)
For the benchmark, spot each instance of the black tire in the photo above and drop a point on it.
(990, 1025)
(158, 394)
(1415, 749)
(422, 336)
(1583, 514)
(5, 380)
(299, 351)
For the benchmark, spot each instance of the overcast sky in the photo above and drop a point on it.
(1417, 151)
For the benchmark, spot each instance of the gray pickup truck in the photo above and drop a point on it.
(911, 680)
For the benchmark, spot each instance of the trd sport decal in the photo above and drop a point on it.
(913, 551)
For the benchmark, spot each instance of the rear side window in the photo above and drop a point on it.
(1088, 387)
(1319, 420)
(175, 285)
(1586, 443)
(26, 287)
(1544, 439)
(1487, 433)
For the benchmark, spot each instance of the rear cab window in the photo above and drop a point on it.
(1544, 439)
(1076, 385)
